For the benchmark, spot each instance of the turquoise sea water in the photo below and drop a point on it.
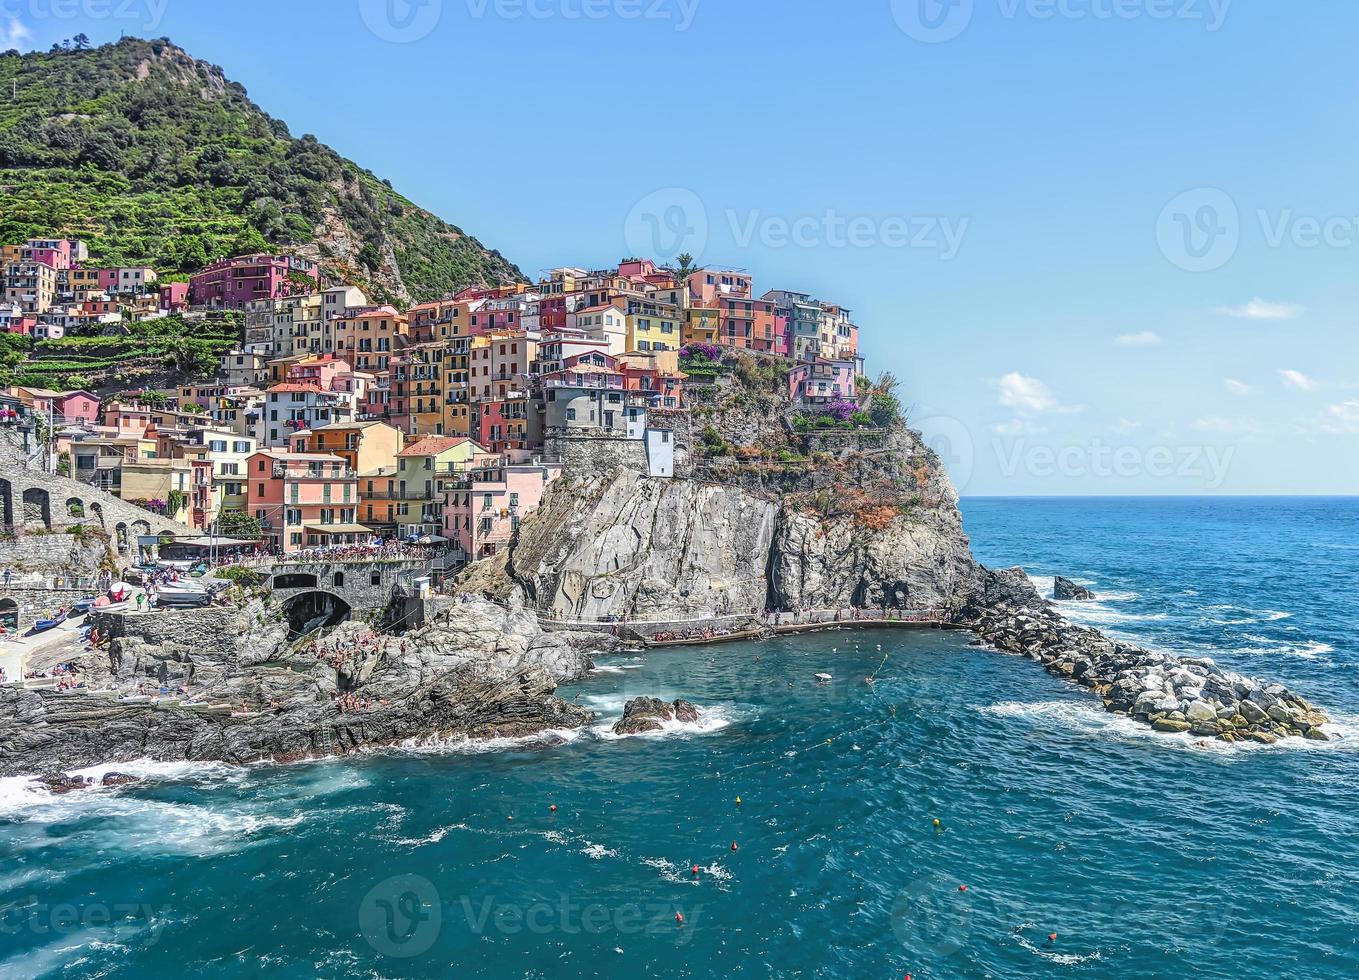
(1148, 856)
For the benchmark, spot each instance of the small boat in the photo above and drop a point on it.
(823, 677)
(43, 625)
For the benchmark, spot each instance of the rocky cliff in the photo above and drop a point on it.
(869, 528)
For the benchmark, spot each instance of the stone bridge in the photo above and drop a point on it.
(33, 501)
(324, 593)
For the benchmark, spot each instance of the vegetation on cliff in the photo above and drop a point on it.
(156, 158)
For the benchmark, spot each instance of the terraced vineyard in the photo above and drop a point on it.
(154, 354)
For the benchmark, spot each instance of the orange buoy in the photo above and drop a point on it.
(679, 918)
(1052, 937)
(553, 808)
(962, 888)
(694, 869)
(733, 846)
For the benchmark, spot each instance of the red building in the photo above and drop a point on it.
(232, 283)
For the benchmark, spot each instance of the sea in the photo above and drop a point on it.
(933, 810)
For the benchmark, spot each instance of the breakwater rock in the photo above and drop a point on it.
(1171, 694)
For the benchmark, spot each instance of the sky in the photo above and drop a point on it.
(1106, 246)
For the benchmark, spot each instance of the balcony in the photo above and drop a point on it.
(284, 473)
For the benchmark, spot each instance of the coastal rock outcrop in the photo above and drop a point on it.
(1171, 694)
(644, 714)
(1064, 588)
(477, 669)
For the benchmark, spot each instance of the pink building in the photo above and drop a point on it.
(820, 382)
(232, 283)
(707, 286)
(56, 252)
(304, 500)
(482, 513)
(78, 406)
(174, 296)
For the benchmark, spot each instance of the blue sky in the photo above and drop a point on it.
(1106, 245)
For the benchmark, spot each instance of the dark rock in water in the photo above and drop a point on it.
(643, 715)
(60, 783)
(118, 779)
(647, 714)
(1064, 588)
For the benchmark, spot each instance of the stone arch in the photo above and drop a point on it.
(37, 507)
(9, 613)
(139, 529)
(97, 512)
(314, 609)
(7, 503)
(75, 508)
(294, 580)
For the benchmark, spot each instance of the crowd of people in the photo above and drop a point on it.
(376, 550)
(692, 635)
(67, 676)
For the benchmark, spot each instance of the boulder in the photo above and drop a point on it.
(1170, 725)
(1200, 711)
(644, 715)
(1064, 588)
(685, 711)
(118, 779)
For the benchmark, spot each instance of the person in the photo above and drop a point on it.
(140, 598)
(8, 573)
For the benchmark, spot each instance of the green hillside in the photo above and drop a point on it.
(156, 158)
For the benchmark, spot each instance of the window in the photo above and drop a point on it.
(338, 580)
(375, 578)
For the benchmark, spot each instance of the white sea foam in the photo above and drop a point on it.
(1052, 956)
(465, 745)
(598, 852)
(1090, 719)
(433, 837)
(711, 719)
(1264, 646)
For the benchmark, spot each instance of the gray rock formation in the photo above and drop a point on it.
(641, 715)
(1064, 588)
(1172, 694)
(477, 669)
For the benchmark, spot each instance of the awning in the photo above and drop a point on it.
(338, 529)
(431, 539)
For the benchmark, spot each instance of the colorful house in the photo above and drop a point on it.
(820, 382)
(232, 283)
(304, 500)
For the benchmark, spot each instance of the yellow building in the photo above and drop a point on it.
(367, 338)
(700, 325)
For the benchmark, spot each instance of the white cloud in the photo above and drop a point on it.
(14, 35)
(1125, 426)
(1225, 426)
(1146, 338)
(1343, 417)
(1236, 387)
(1262, 309)
(1026, 394)
(1296, 379)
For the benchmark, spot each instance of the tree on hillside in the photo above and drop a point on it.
(82, 41)
(685, 261)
